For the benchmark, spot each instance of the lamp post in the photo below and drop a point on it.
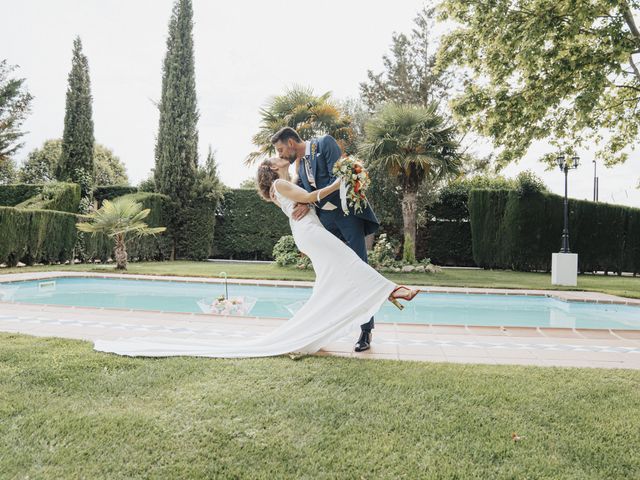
(565, 166)
(595, 182)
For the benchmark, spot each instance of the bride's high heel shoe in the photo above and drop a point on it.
(408, 297)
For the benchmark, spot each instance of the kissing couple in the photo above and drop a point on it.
(347, 292)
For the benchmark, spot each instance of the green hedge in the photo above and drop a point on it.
(247, 227)
(446, 243)
(198, 222)
(61, 197)
(445, 236)
(486, 210)
(631, 255)
(36, 236)
(520, 231)
(109, 192)
(12, 195)
(159, 247)
(597, 233)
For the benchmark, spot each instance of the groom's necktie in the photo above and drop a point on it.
(306, 163)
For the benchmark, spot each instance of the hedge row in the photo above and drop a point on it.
(44, 236)
(193, 226)
(36, 236)
(508, 229)
(61, 197)
(109, 192)
(247, 227)
(12, 195)
(446, 242)
(445, 236)
(521, 231)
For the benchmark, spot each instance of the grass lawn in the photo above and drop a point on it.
(623, 286)
(69, 412)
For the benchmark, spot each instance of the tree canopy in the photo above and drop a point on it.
(563, 71)
(15, 101)
(409, 75)
(40, 165)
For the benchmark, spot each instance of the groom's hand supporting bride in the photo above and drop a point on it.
(300, 210)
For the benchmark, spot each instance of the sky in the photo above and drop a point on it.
(246, 51)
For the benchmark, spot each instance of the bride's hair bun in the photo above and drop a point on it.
(265, 178)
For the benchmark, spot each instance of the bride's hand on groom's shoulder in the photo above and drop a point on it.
(300, 210)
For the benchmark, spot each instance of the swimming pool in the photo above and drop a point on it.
(282, 302)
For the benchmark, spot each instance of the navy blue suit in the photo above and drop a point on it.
(352, 228)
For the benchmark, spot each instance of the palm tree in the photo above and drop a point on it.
(309, 114)
(413, 143)
(117, 219)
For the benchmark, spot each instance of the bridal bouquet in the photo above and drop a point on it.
(355, 181)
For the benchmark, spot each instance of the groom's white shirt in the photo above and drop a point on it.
(307, 153)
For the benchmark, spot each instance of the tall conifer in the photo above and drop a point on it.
(76, 161)
(177, 142)
(176, 153)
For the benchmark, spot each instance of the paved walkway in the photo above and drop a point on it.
(434, 343)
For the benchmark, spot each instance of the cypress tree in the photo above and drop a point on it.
(176, 153)
(76, 161)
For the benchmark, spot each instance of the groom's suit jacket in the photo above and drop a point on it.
(327, 153)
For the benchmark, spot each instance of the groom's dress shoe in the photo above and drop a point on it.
(364, 342)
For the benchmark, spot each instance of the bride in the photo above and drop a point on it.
(347, 291)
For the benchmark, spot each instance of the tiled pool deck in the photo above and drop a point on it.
(396, 341)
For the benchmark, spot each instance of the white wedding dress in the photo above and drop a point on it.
(347, 293)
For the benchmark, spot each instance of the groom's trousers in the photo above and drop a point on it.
(349, 229)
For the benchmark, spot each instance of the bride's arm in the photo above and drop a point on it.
(300, 195)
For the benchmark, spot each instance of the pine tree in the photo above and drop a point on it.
(176, 153)
(15, 103)
(76, 162)
(410, 75)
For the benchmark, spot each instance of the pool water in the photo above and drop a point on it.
(282, 302)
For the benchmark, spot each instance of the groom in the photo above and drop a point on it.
(317, 157)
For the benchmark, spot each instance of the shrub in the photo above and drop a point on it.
(285, 252)
(384, 253)
(528, 182)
